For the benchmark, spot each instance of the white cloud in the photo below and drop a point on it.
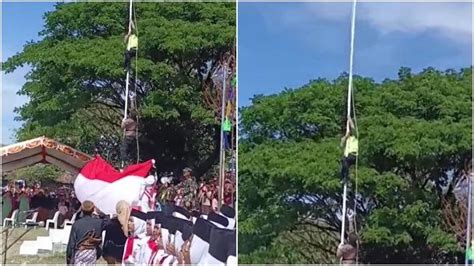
(447, 20)
(450, 20)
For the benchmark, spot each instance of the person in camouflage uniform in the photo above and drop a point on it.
(190, 188)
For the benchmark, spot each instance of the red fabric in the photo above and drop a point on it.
(100, 169)
(129, 248)
(152, 245)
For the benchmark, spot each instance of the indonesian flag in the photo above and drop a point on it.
(100, 183)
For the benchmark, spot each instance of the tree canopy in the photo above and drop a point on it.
(414, 138)
(77, 83)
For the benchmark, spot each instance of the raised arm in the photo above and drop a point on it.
(124, 124)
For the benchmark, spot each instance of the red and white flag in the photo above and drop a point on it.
(100, 183)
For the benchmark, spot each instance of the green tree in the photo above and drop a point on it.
(44, 173)
(77, 83)
(414, 135)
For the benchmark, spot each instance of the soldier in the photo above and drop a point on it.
(190, 188)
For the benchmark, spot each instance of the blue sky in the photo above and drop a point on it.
(21, 22)
(288, 44)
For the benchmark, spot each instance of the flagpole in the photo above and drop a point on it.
(128, 70)
(349, 95)
(222, 152)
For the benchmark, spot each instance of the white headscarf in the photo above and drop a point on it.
(140, 227)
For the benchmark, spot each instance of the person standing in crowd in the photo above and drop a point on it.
(7, 204)
(214, 201)
(116, 234)
(62, 211)
(132, 249)
(205, 199)
(75, 204)
(190, 188)
(24, 205)
(85, 238)
(178, 199)
(167, 194)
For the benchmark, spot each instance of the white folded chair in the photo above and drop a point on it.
(70, 222)
(32, 220)
(53, 221)
(11, 220)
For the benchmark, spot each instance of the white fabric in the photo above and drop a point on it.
(146, 252)
(231, 221)
(197, 249)
(139, 244)
(178, 240)
(180, 216)
(164, 236)
(231, 260)
(217, 224)
(159, 255)
(140, 227)
(106, 195)
(208, 259)
(136, 252)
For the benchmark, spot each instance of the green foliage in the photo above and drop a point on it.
(44, 173)
(414, 136)
(77, 81)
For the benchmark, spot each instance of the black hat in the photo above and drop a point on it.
(220, 243)
(228, 211)
(217, 218)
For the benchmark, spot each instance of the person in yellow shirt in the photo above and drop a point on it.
(227, 128)
(132, 44)
(351, 147)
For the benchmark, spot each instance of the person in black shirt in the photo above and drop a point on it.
(116, 233)
(85, 238)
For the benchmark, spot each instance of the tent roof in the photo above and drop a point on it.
(42, 150)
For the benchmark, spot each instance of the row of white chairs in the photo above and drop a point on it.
(11, 220)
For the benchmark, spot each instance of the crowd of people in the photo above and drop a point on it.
(169, 191)
(187, 227)
(45, 200)
(154, 238)
(192, 196)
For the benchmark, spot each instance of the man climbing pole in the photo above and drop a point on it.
(128, 149)
(348, 252)
(227, 128)
(351, 147)
(132, 44)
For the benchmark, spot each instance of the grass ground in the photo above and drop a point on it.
(13, 253)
